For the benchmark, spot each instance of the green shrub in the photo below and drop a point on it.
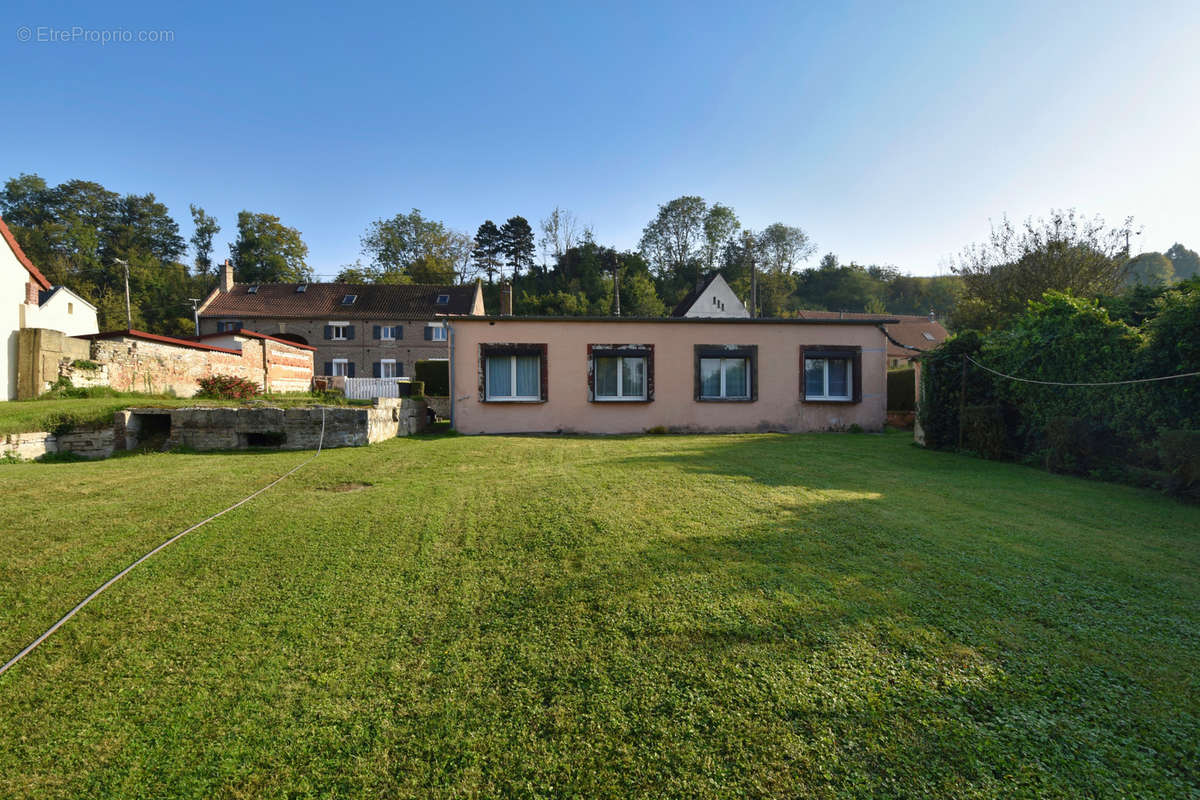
(986, 432)
(227, 387)
(1179, 453)
(83, 363)
(435, 375)
(901, 389)
(1077, 445)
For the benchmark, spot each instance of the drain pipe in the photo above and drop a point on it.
(450, 342)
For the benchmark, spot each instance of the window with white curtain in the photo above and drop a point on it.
(513, 377)
(725, 378)
(619, 377)
(828, 379)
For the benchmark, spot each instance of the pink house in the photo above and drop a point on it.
(613, 375)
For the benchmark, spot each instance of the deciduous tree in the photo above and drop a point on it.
(267, 251)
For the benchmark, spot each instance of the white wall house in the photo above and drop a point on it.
(27, 300)
(711, 298)
(60, 309)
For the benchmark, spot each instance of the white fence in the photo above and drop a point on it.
(370, 388)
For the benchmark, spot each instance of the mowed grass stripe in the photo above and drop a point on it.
(647, 616)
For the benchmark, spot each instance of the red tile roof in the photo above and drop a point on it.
(256, 335)
(154, 337)
(324, 301)
(910, 330)
(38, 277)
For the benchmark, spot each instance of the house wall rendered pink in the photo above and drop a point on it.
(567, 408)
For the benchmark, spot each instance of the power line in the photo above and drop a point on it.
(1098, 383)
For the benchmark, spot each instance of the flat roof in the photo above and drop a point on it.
(686, 320)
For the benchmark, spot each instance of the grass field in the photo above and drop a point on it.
(725, 616)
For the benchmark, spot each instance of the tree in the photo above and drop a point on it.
(486, 255)
(423, 249)
(558, 233)
(205, 228)
(671, 242)
(1149, 269)
(720, 225)
(1184, 262)
(1065, 252)
(267, 251)
(782, 246)
(516, 244)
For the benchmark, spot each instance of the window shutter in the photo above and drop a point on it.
(399, 331)
(328, 367)
(349, 331)
(428, 333)
(376, 370)
(399, 369)
(376, 334)
(329, 332)
(350, 370)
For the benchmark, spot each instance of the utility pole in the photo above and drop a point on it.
(195, 301)
(128, 311)
(616, 267)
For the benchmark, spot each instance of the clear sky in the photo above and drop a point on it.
(891, 132)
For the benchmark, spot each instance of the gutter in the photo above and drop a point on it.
(900, 344)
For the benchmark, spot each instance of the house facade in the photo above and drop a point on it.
(620, 375)
(359, 331)
(712, 297)
(908, 335)
(28, 300)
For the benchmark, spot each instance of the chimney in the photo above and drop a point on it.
(226, 276)
(506, 299)
(932, 316)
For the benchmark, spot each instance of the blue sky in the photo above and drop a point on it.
(890, 132)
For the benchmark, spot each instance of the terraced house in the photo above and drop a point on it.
(358, 330)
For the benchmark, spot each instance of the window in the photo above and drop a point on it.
(437, 333)
(229, 325)
(389, 333)
(253, 289)
(928, 336)
(443, 299)
(726, 373)
(621, 372)
(513, 372)
(339, 331)
(832, 374)
(387, 368)
(341, 366)
(70, 308)
(349, 299)
(301, 288)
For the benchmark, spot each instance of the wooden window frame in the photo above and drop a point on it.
(643, 351)
(729, 351)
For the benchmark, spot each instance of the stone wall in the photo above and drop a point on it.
(156, 365)
(43, 355)
(440, 406)
(98, 443)
(286, 429)
(141, 365)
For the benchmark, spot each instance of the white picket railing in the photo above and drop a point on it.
(370, 388)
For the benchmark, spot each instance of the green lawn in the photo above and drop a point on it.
(27, 416)
(709, 616)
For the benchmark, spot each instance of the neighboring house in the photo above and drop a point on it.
(27, 300)
(712, 297)
(358, 330)
(908, 335)
(621, 375)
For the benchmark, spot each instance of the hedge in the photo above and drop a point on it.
(436, 375)
(901, 389)
(1139, 432)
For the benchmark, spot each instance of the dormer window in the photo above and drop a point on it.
(443, 299)
(252, 289)
(302, 288)
(349, 299)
